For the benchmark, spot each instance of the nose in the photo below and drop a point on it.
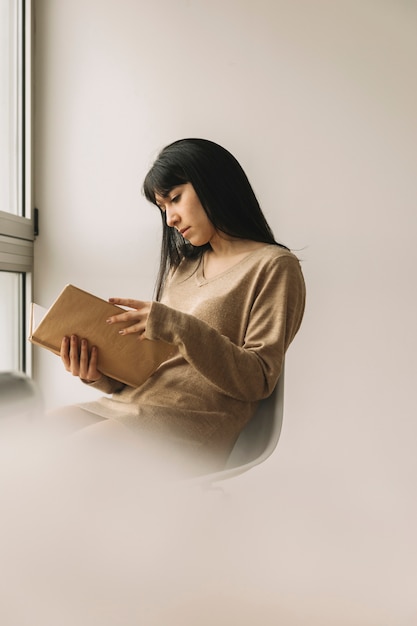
(171, 216)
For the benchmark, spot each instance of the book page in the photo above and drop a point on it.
(37, 314)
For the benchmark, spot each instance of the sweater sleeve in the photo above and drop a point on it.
(250, 371)
(106, 384)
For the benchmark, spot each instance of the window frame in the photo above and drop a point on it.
(17, 231)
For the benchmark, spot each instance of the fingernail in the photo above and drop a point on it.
(108, 321)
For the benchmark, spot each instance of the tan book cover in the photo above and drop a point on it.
(77, 312)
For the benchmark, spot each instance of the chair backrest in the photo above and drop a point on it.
(258, 439)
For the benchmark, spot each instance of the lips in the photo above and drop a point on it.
(184, 231)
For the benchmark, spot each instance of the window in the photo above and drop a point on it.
(10, 328)
(16, 219)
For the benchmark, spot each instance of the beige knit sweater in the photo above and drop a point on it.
(232, 332)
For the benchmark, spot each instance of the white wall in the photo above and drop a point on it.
(317, 100)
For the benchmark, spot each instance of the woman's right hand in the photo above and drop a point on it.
(79, 360)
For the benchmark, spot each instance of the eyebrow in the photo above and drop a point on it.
(164, 197)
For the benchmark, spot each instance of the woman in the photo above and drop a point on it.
(228, 296)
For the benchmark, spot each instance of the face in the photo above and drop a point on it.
(183, 211)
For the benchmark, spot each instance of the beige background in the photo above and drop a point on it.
(317, 100)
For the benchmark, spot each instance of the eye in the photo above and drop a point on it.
(176, 199)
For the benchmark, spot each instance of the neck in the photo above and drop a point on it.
(222, 246)
(225, 253)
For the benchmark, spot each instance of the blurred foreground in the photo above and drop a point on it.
(91, 536)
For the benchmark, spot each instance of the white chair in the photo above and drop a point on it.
(258, 439)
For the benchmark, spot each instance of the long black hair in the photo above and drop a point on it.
(222, 188)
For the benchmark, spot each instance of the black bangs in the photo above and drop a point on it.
(161, 179)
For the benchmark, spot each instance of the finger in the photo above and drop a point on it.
(93, 373)
(88, 363)
(84, 359)
(74, 356)
(123, 317)
(133, 304)
(135, 328)
(64, 353)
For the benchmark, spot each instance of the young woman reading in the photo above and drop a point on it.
(228, 296)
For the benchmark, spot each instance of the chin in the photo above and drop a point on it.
(196, 242)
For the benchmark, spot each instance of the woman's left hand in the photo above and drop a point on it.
(136, 318)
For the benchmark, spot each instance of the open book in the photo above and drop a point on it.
(77, 312)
